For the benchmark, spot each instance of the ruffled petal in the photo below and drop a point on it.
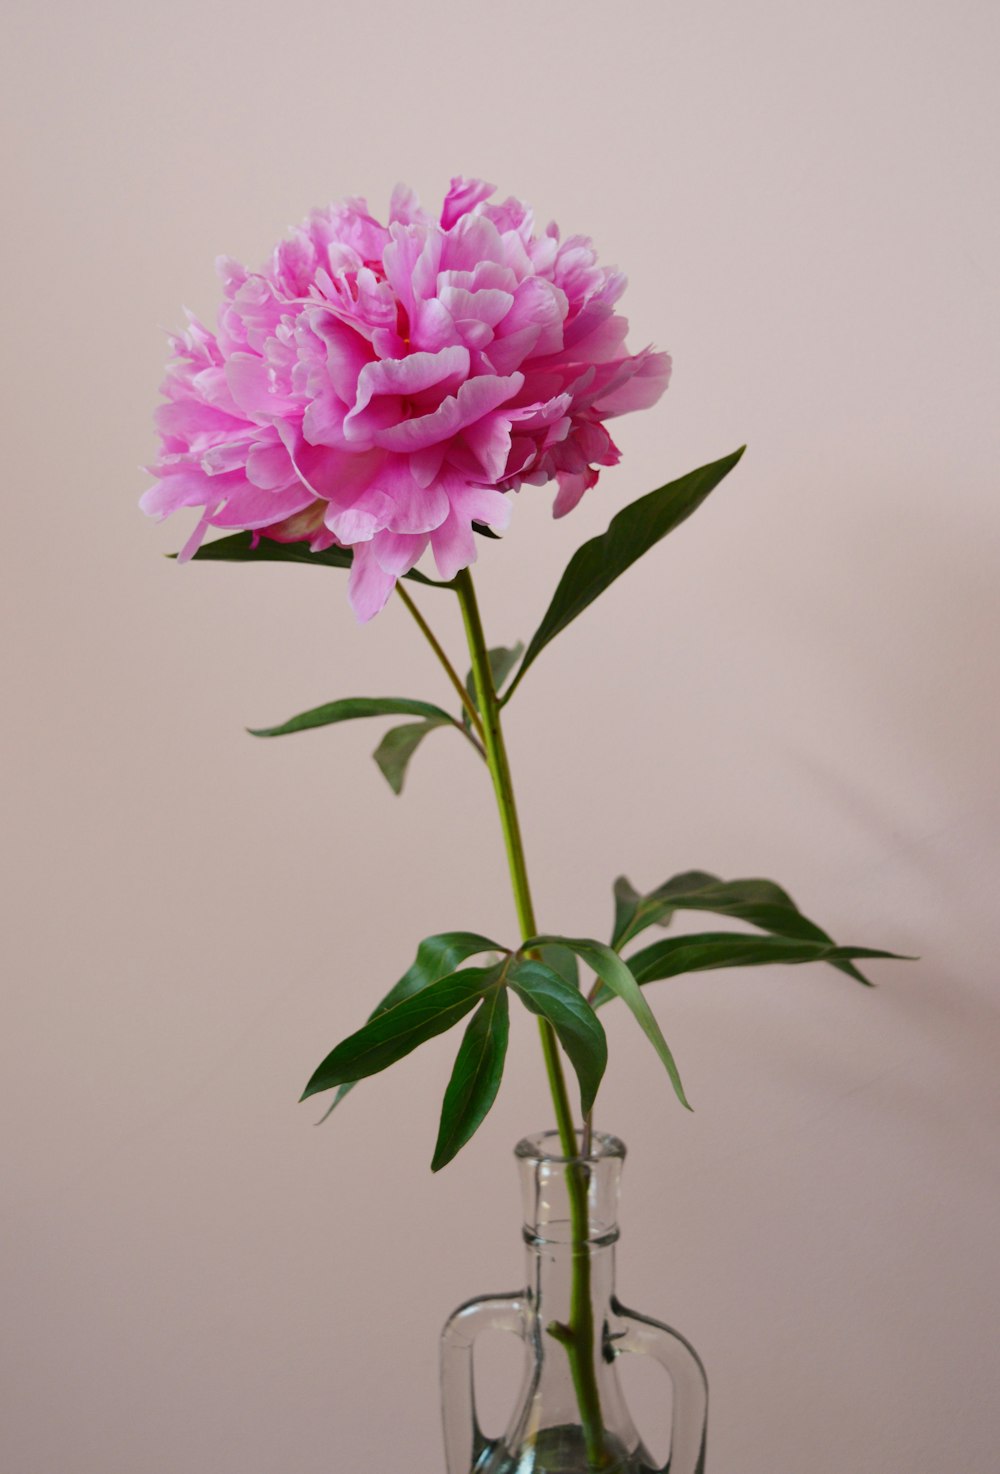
(385, 387)
(463, 195)
(369, 586)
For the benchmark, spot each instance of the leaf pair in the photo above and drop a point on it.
(759, 902)
(434, 994)
(479, 1064)
(399, 743)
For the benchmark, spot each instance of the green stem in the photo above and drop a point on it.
(578, 1336)
(449, 669)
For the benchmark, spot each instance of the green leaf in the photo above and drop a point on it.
(394, 1033)
(398, 746)
(239, 548)
(759, 902)
(502, 660)
(632, 532)
(616, 976)
(563, 962)
(703, 951)
(545, 993)
(634, 911)
(475, 1079)
(437, 956)
(352, 707)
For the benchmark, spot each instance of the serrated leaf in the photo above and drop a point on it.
(476, 1076)
(545, 993)
(394, 752)
(352, 707)
(759, 902)
(437, 956)
(502, 660)
(239, 548)
(703, 951)
(396, 1032)
(632, 532)
(616, 976)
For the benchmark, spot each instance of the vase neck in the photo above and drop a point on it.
(552, 1187)
(570, 1213)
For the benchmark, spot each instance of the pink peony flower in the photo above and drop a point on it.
(384, 387)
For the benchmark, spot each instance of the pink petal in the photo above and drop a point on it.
(415, 508)
(454, 545)
(186, 486)
(397, 552)
(475, 398)
(269, 466)
(480, 504)
(359, 522)
(571, 489)
(252, 507)
(405, 207)
(471, 241)
(194, 542)
(189, 420)
(340, 476)
(347, 353)
(323, 421)
(641, 390)
(369, 586)
(250, 384)
(230, 456)
(425, 464)
(462, 196)
(396, 378)
(489, 441)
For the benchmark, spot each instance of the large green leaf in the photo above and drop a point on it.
(545, 993)
(632, 532)
(351, 707)
(759, 902)
(702, 951)
(615, 975)
(437, 956)
(475, 1079)
(398, 746)
(394, 1033)
(239, 548)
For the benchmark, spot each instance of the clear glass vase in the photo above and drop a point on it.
(570, 1417)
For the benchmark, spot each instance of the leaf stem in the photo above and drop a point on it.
(449, 669)
(578, 1337)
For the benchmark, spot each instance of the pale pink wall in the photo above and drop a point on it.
(802, 684)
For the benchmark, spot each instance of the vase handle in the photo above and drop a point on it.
(682, 1364)
(464, 1440)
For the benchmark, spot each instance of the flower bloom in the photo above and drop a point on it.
(384, 387)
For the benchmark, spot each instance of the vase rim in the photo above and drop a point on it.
(545, 1146)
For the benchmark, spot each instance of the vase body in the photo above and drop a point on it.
(570, 1416)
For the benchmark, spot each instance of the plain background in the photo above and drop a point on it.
(801, 684)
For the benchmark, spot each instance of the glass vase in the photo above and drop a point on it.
(570, 1416)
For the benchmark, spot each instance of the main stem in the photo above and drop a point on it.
(578, 1336)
